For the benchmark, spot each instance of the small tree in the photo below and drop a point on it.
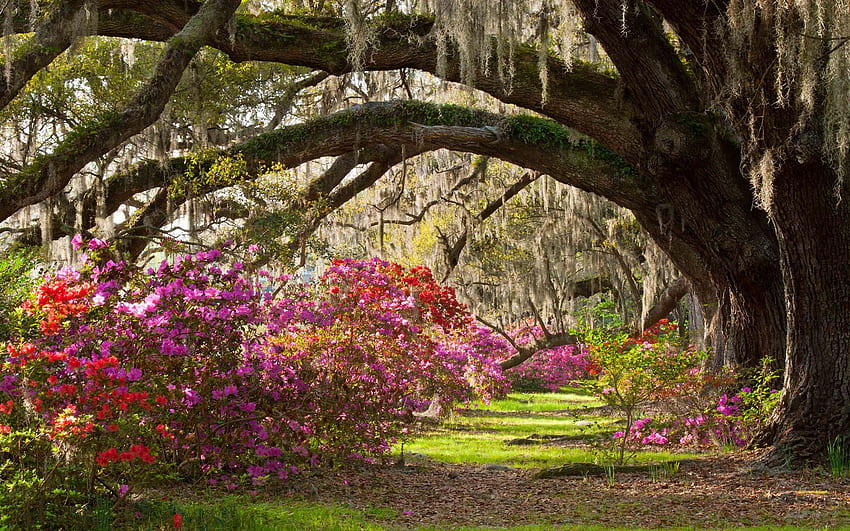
(635, 371)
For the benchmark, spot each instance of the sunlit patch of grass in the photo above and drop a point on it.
(478, 449)
(524, 425)
(481, 436)
(243, 513)
(538, 402)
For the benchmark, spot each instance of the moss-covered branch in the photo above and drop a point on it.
(52, 36)
(49, 174)
(375, 133)
(527, 141)
(579, 97)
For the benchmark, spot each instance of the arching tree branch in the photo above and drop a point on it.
(52, 36)
(524, 352)
(579, 97)
(49, 174)
(368, 130)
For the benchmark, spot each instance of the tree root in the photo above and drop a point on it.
(591, 469)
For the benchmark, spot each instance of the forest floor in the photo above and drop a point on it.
(478, 469)
(719, 491)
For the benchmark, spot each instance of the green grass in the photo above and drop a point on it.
(480, 435)
(540, 402)
(245, 513)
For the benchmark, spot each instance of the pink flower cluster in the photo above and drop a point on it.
(728, 423)
(550, 369)
(639, 433)
(195, 366)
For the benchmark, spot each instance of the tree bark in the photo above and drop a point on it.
(666, 302)
(813, 226)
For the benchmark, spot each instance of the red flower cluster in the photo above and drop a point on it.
(137, 451)
(68, 426)
(162, 429)
(662, 327)
(56, 300)
(441, 301)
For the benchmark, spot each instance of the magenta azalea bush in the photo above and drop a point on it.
(730, 423)
(550, 369)
(198, 369)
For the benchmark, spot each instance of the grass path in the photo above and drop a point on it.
(491, 434)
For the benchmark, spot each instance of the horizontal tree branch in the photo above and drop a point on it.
(579, 96)
(666, 302)
(364, 133)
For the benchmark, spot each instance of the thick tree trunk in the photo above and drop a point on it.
(722, 246)
(749, 324)
(813, 226)
(740, 328)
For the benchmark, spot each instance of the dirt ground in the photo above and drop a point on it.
(722, 491)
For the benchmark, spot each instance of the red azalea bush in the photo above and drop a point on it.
(193, 369)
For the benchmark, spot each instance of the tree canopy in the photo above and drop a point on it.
(722, 126)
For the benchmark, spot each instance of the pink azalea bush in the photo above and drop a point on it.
(648, 370)
(733, 420)
(550, 369)
(729, 423)
(193, 369)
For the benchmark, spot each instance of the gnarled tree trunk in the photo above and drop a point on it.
(813, 226)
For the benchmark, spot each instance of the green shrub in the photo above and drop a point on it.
(18, 277)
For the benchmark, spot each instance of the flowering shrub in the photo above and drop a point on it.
(692, 408)
(192, 369)
(550, 369)
(637, 371)
(732, 420)
(639, 434)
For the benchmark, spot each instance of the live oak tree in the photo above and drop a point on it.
(722, 125)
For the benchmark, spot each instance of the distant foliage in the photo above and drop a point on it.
(550, 369)
(18, 276)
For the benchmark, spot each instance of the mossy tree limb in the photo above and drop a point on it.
(49, 174)
(579, 97)
(363, 134)
(53, 35)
